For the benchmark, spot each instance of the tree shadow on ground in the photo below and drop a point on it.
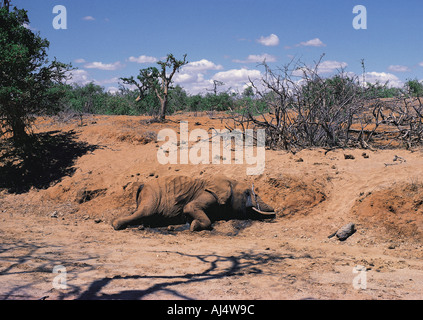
(217, 267)
(47, 160)
(33, 264)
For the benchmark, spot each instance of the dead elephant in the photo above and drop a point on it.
(181, 199)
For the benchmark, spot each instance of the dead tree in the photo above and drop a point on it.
(304, 109)
(216, 83)
(6, 4)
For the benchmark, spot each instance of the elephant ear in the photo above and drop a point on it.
(220, 187)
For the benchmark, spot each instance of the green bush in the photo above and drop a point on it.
(379, 90)
(414, 88)
(92, 98)
(29, 83)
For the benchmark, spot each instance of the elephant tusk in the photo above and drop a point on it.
(255, 196)
(264, 212)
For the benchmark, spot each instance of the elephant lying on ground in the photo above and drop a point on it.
(181, 199)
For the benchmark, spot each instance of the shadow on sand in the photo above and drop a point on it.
(215, 267)
(47, 160)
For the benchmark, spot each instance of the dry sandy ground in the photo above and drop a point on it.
(291, 257)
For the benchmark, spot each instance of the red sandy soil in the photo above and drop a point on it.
(314, 192)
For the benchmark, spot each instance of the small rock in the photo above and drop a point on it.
(299, 160)
(54, 215)
(349, 156)
(400, 159)
(345, 232)
(97, 220)
(365, 155)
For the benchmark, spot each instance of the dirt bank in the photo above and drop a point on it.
(62, 218)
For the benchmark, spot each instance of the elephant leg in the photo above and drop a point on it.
(146, 208)
(196, 210)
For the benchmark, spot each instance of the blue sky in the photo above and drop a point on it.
(225, 40)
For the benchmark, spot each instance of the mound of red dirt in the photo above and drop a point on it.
(398, 210)
(293, 194)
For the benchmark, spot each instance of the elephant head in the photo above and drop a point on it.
(244, 202)
(247, 201)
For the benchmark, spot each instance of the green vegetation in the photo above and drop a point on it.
(379, 90)
(29, 83)
(414, 88)
(158, 81)
(92, 98)
(325, 108)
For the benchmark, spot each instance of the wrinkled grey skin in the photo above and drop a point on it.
(181, 199)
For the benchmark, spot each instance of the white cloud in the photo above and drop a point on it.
(80, 61)
(382, 77)
(27, 26)
(143, 59)
(78, 76)
(88, 18)
(104, 66)
(328, 66)
(108, 81)
(112, 90)
(201, 66)
(180, 78)
(195, 82)
(398, 68)
(316, 42)
(236, 75)
(257, 58)
(272, 40)
(237, 79)
(191, 76)
(331, 66)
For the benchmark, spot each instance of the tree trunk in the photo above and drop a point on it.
(163, 107)
(163, 102)
(6, 4)
(20, 137)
